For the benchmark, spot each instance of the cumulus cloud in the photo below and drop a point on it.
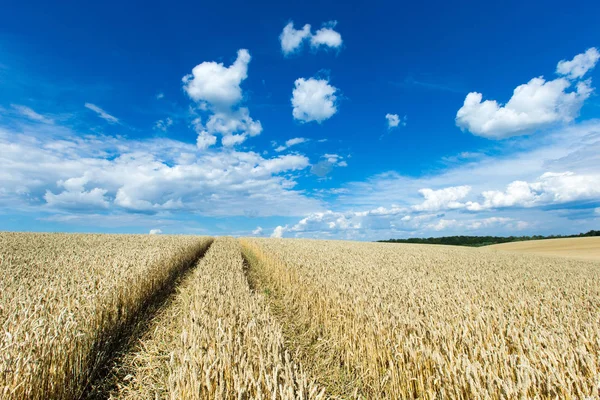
(313, 100)
(291, 39)
(447, 198)
(205, 140)
(101, 113)
(235, 126)
(258, 231)
(216, 84)
(278, 231)
(29, 113)
(327, 36)
(232, 140)
(579, 65)
(544, 198)
(535, 105)
(217, 90)
(113, 174)
(78, 200)
(550, 188)
(289, 143)
(394, 120)
(155, 232)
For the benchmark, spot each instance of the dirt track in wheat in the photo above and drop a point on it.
(378, 320)
(292, 319)
(65, 300)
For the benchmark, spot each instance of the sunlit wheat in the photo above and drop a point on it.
(376, 320)
(65, 299)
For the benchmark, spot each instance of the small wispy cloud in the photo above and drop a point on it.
(101, 113)
(163, 124)
(29, 113)
(289, 143)
(160, 96)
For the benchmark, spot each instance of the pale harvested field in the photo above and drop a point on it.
(65, 299)
(386, 321)
(586, 248)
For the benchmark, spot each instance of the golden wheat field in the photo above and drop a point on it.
(291, 319)
(66, 299)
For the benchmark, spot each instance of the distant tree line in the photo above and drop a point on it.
(477, 241)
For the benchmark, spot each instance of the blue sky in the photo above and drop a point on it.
(300, 119)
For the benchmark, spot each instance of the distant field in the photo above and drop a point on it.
(587, 248)
(183, 317)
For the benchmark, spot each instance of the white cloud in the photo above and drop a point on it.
(550, 188)
(291, 39)
(114, 174)
(232, 140)
(216, 84)
(101, 113)
(332, 158)
(205, 140)
(579, 65)
(535, 105)
(313, 100)
(160, 96)
(381, 223)
(289, 143)
(234, 126)
(258, 231)
(155, 232)
(597, 210)
(29, 113)
(163, 124)
(394, 120)
(447, 198)
(278, 231)
(327, 36)
(295, 141)
(217, 90)
(78, 200)
(547, 203)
